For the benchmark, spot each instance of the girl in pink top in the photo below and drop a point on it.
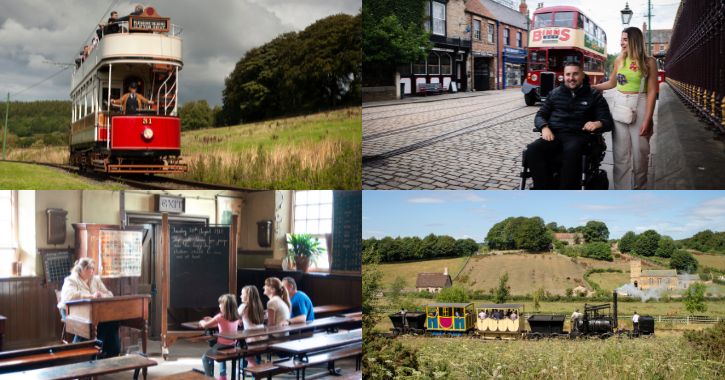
(227, 321)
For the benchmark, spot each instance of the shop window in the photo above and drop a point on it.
(434, 67)
(419, 67)
(446, 66)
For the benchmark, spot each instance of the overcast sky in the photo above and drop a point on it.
(607, 14)
(216, 34)
(464, 214)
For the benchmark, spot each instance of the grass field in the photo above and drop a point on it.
(610, 281)
(654, 358)
(320, 151)
(409, 271)
(711, 260)
(32, 177)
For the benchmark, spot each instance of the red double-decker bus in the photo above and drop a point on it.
(559, 35)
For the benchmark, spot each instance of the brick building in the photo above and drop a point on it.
(433, 282)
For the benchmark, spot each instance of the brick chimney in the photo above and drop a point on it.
(523, 8)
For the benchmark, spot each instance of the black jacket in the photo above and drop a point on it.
(566, 113)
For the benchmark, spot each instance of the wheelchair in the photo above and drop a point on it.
(593, 177)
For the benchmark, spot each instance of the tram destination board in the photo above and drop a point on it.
(149, 24)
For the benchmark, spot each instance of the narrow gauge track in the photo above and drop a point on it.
(139, 181)
(435, 122)
(442, 137)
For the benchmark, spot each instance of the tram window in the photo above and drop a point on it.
(115, 94)
(580, 24)
(446, 312)
(557, 60)
(446, 67)
(537, 60)
(564, 19)
(542, 20)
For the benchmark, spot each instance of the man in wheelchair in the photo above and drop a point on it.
(572, 115)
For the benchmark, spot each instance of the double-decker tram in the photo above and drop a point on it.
(560, 35)
(124, 92)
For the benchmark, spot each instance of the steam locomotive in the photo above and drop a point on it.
(501, 321)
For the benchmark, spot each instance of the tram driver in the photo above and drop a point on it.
(131, 102)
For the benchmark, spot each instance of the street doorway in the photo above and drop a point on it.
(481, 74)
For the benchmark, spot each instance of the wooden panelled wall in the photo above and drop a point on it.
(323, 289)
(32, 316)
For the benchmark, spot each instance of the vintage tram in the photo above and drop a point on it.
(145, 52)
(559, 35)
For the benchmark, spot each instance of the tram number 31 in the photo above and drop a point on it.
(146, 121)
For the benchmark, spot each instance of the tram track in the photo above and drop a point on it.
(367, 160)
(435, 122)
(417, 109)
(156, 182)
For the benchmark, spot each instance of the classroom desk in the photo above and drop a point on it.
(84, 315)
(302, 347)
(326, 323)
(85, 369)
(2, 330)
(47, 356)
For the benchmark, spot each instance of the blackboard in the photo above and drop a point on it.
(199, 265)
(346, 230)
(57, 264)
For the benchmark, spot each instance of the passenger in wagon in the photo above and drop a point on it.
(482, 315)
(131, 102)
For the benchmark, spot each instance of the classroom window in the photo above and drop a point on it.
(477, 29)
(8, 222)
(313, 215)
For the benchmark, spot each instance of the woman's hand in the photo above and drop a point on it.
(647, 128)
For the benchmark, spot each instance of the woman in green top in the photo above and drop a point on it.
(632, 111)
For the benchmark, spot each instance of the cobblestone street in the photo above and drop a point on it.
(470, 142)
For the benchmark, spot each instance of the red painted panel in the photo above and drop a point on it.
(102, 133)
(127, 132)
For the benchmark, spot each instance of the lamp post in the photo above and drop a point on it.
(626, 14)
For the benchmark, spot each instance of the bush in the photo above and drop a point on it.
(694, 298)
(598, 251)
(710, 341)
(455, 294)
(386, 358)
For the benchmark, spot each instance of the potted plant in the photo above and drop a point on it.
(303, 248)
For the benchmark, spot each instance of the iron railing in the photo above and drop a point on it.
(695, 63)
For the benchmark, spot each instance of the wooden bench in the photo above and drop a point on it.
(47, 356)
(325, 357)
(194, 374)
(86, 369)
(429, 88)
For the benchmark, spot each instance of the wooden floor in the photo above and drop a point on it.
(184, 356)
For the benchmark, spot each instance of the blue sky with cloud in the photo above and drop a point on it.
(461, 214)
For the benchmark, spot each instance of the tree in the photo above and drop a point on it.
(396, 288)
(598, 251)
(466, 247)
(370, 289)
(683, 262)
(196, 115)
(503, 291)
(694, 298)
(595, 231)
(552, 226)
(627, 242)
(456, 293)
(519, 233)
(647, 243)
(665, 247)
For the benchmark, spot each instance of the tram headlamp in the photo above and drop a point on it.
(561, 78)
(148, 133)
(534, 77)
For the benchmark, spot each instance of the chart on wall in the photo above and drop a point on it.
(347, 231)
(121, 253)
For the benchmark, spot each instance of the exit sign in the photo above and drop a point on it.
(169, 203)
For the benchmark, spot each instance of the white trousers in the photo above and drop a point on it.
(631, 151)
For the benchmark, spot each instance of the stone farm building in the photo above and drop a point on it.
(433, 282)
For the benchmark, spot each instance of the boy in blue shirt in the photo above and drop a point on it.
(302, 309)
